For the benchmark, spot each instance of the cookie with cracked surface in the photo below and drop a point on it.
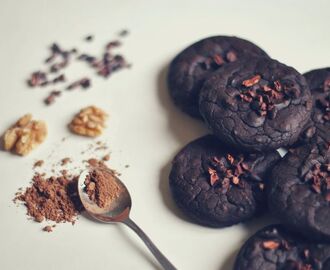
(277, 248)
(257, 104)
(318, 128)
(299, 191)
(218, 187)
(190, 67)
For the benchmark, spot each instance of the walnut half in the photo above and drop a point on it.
(90, 121)
(25, 135)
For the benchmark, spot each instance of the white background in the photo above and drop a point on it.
(144, 130)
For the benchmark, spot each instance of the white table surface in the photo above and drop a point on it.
(145, 130)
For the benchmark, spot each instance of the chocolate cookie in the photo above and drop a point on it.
(189, 69)
(276, 248)
(318, 128)
(256, 105)
(299, 191)
(218, 187)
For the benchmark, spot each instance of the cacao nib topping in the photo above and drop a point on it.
(319, 179)
(264, 97)
(270, 244)
(276, 244)
(229, 171)
(231, 56)
(217, 60)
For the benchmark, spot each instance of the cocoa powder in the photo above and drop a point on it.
(53, 198)
(101, 186)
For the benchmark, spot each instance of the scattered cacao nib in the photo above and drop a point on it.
(270, 244)
(37, 78)
(89, 38)
(60, 78)
(113, 44)
(107, 63)
(50, 99)
(319, 179)
(60, 58)
(123, 33)
(58, 66)
(83, 83)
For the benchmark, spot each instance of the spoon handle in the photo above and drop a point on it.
(154, 250)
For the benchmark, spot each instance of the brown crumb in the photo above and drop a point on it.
(47, 229)
(65, 161)
(38, 163)
(126, 166)
(93, 162)
(106, 157)
(101, 187)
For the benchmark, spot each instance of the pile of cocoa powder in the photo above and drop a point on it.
(54, 198)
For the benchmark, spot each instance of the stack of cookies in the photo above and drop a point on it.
(253, 105)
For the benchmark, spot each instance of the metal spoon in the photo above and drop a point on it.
(119, 211)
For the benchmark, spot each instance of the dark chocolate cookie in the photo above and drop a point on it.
(218, 187)
(299, 191)
(318, 128)
(189, 69)
(256, 105)
(277, 248)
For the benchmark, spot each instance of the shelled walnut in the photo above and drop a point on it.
(90, 121)
(25, 135)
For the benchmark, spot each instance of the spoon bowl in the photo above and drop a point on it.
(118, 211)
